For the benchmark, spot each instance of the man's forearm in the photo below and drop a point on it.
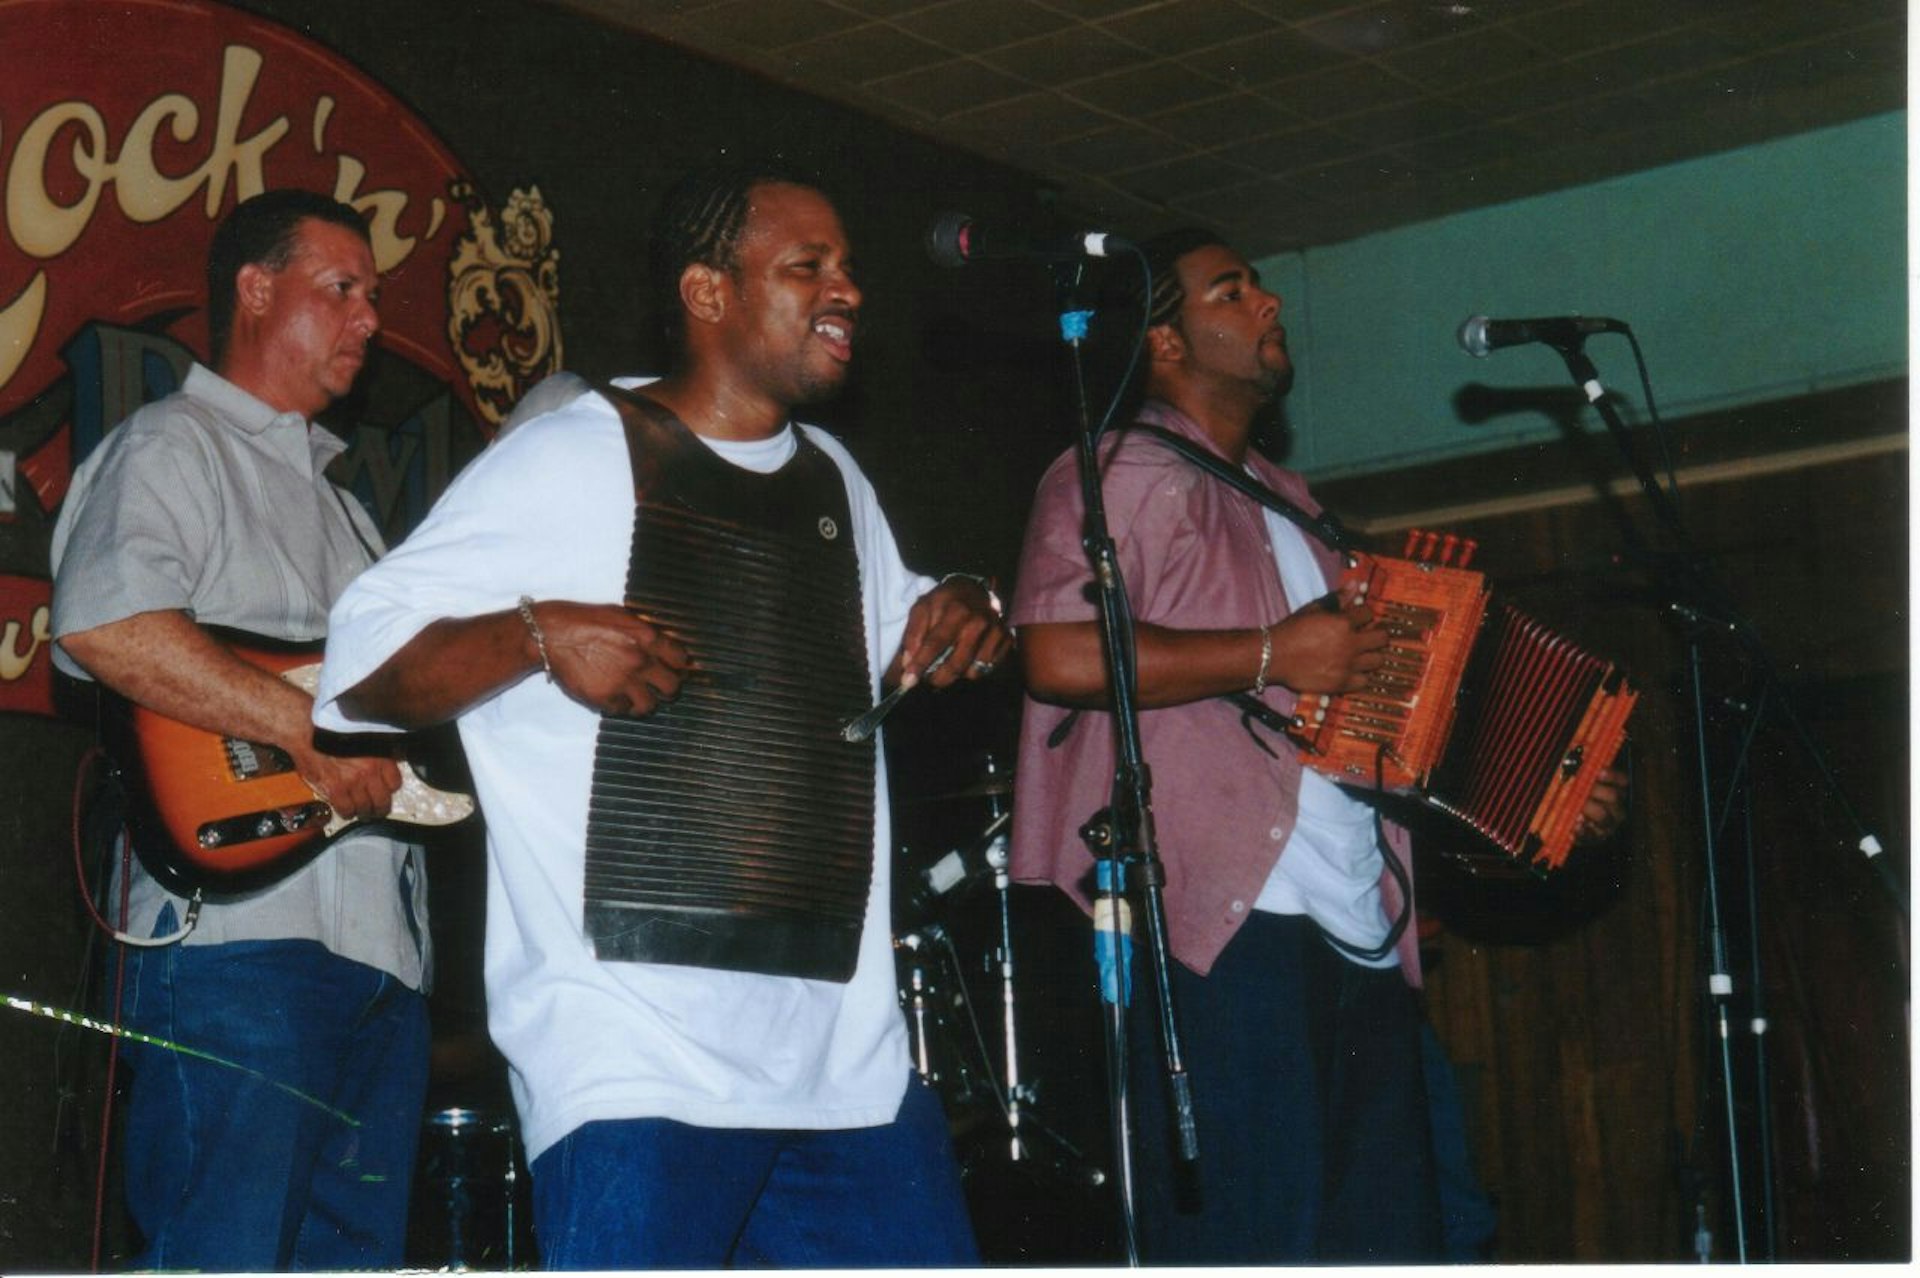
(165, 662)
(451, 666)
(1066, 663)
(1332, 648)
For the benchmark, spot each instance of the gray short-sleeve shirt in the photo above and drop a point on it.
(211, 503)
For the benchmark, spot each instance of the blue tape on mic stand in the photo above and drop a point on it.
(1112, 940)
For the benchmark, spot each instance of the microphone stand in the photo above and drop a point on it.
(1697, 601)
(1122, 837)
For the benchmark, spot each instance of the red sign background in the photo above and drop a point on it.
(128, 129)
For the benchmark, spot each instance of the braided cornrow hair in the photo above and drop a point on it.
(1162, 251)
(700, 221)
(1116, 326)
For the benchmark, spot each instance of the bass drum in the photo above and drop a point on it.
(472, 1199)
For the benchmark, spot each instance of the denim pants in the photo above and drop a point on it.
(1311, 1107)
(649, 1193)
(295, 1149)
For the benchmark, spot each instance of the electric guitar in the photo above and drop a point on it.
(224, 815)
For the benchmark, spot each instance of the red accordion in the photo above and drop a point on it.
(1479, 711)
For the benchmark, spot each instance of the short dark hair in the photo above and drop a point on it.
(699, 221)
(261, 232)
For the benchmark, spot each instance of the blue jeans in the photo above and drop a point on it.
(1311, 1106)
(649, 1193)
(228, 1169)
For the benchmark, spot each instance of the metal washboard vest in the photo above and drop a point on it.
(733, 827)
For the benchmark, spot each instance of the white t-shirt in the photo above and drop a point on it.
(547, 512)
(1330, 869)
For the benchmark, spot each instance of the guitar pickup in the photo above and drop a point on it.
(250, 760)
(249, 827)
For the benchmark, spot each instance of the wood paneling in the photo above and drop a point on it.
(1577, 1011)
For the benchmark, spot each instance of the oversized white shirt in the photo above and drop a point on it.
(547, 512)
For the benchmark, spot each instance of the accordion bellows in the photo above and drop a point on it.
(1480, 711)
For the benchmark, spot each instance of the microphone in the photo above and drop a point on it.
(1479, 336)
(955, 239)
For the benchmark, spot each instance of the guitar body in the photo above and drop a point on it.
(225, 816)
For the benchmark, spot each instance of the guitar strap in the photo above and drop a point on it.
(373, 556)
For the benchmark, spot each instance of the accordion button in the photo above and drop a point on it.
(1238, 907)
(1276, 834)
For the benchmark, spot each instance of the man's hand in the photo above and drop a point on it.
(957, 614)
(601, 655)
(354, 787)
(609, 660)
(165, 662)
(1606, 808)
(1332, 646)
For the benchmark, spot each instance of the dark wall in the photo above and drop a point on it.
(1576, 1010)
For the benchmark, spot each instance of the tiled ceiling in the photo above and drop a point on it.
(1289, 123)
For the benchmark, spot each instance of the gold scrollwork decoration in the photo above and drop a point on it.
(503, 298)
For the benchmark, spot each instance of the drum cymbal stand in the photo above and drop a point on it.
(1015, 1091)
(916, 1003)
(1017, 1097)
(930, 943)
(929, 949)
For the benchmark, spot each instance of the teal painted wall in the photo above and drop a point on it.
(1752, 275)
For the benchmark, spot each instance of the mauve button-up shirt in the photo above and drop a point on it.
(1195, 555)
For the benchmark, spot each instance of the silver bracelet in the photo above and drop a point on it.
(539, 640)
(1266, 655)
(993, 600)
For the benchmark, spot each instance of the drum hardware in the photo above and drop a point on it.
(989, 788)
(931, 957)
(962, 867)
(946, 1044)
(945, 1056)
(469, 1194)
(915, 998)
(997, 856)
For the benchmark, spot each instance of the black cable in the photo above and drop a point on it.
(1654, 419)
(1399, 873)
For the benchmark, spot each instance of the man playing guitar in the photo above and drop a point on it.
(211, 508)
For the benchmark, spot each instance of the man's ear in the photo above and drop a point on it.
(703, 293)
(253, 288)
(1165, 345)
